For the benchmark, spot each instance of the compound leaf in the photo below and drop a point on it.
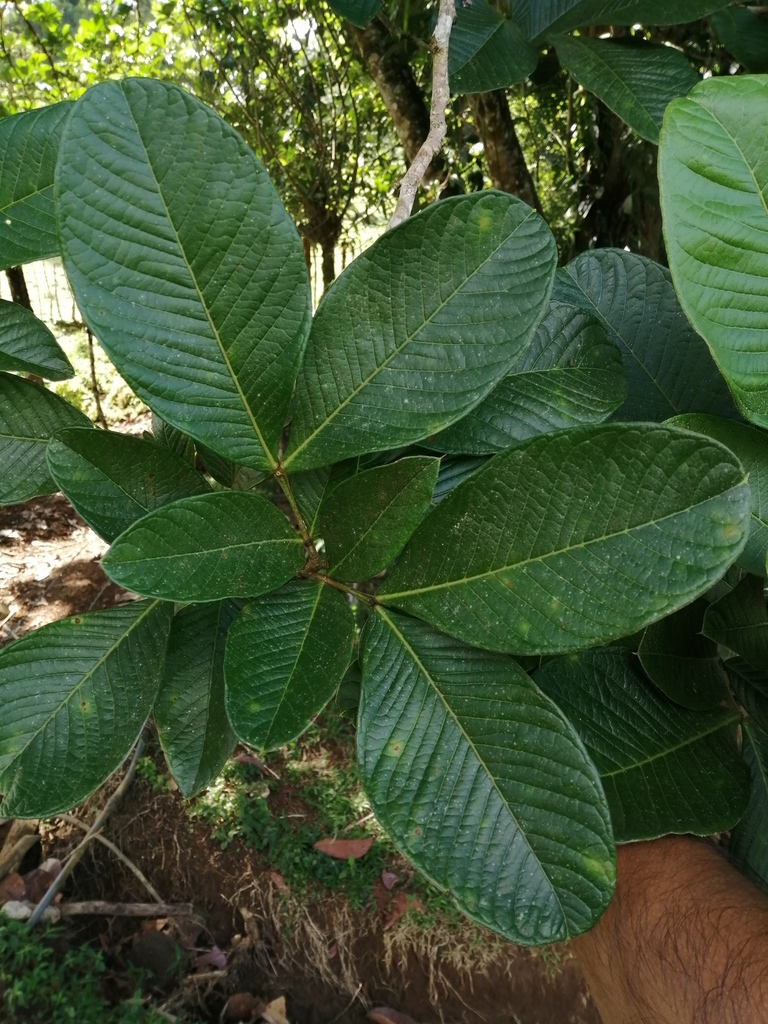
(26, 344)
(750, 444)
(184, 262)
(406, 340)
(459, 753)
(29, 144)
(114, 479)
(664, 769)
(570, 374)
(29, 416)
(636, 82)
(668, 367)
(682, 662)
(286, 655)
(75, 695)
(575, 538)
(368, 518)
(713, 175)
(740, 621)
(190, 715)
(206, 548)
(487, 50)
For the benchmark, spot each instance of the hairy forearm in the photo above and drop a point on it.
(685, 940)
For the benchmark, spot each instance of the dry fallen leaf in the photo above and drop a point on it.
(12, 888)
(279, 882)
(242, 1006)
(214, 958)
(389, 879)
(343, 849)
(274, 1012)
(386, 1015)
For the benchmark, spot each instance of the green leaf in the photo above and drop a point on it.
(684, 664)
(713, 175)
(286, 655)
(177, 442)
(114, 479)
(206, 548)
(570, 374)
(29, 143)
(739, 621)
(310, 489)
(636, 82)
(359, 12)
(575, 538)
(406, 340)
(745, 35)
(539, 16)
(664, 769)
(668, 367)
(29, 416)
(748, 845)
(229, 474)
(190, 715)
(487, 50)
(750, 687)
(454, 470)
(368, 518)
(28, 346)
(751, 446)
(184, 262)
(75, 695)
(459, 753)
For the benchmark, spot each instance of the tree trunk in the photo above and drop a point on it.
(504, 156)
(406, 104)
(18, 286)
(329, 262)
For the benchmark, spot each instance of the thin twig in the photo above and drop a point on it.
(101, 419)
(441, 96)
(104, 907)
(58, 882)
(117, 852)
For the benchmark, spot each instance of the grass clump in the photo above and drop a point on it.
(42, 984)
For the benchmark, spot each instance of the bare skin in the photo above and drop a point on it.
(685, 940)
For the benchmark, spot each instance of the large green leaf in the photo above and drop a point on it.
(206, 548)
(190, 715)
(368, 518)
(713, 175)
(487, 50)
(359, 12)
(684, 664)
(664, 768)
(751, 446)
(745, 35)
(29, 416)
(570, 374)
(407, 341)
(184, 263)
(454, 470)
(748, 845)
(539, 16)
(75, 695)
(29, 143)
(114, 479)
(668, 367)
(750, 687)
(637, 82)
(169, 437)
(286, 654)
(28, 346)
(482, 783)
(310, 489)
(575, 538)
(740, 621)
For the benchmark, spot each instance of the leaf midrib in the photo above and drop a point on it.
(198, 553)
(489, 775)
(399, 348)
(559, 551)
(669, 751)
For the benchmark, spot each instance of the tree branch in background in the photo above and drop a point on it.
(441, 95)
(503, 153)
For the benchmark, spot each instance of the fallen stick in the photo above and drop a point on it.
(107, 909)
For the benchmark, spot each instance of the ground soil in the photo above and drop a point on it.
(331, 963)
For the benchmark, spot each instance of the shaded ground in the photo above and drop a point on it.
(332, 962)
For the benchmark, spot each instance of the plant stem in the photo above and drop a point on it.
(441, 96)
(285, 487)
(366, 598)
